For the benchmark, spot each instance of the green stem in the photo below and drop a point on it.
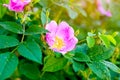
(16, 15)
(23, 36)
(82, 41)
(42, 74)
(14, 50)
(21, 39)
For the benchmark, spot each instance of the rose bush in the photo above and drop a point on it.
(59, 40)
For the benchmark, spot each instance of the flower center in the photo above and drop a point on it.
(58, 43)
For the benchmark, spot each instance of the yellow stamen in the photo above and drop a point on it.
(58, 44)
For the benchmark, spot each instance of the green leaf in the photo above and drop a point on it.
(80, 48)
(44, 17)
(2, 8)
(54, 64)
(29, 70)
(12, 26)
(82, 11)
(68, 69)
(36, 1)
(73, 14)
(3, 31)
(115, 34)
(8, 64)
(117, 38)
(7, 41)
(31, 51)
(99, 52)
(35, 30)
(112, 66)
(81, 57)
(91, 34)
(90, 41)
(80, 53)
(100, 70)
(49, 76)
(111, 39)
(72, 11)
(77, 66)
(105, 40)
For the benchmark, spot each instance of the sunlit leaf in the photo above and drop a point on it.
(54, 64)
(44, 17)
(73, 14)
(91, 34)
(90, 41)
(2, 8)
(111, 39)
(105, 40)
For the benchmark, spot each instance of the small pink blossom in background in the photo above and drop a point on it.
(108, 1)
(17, 5)
(101, 8)
(60, 37)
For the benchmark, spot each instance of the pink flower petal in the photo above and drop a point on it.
(26, 2)
(102, 10)
(52, 27)
(108, 1)
(50, 39)
(70, 45)
(60, 38)
(17, 5)
(108, 13)
(65, 31)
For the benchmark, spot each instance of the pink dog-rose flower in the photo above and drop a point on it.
(60, 37)
(17, 5)
(101, 8)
